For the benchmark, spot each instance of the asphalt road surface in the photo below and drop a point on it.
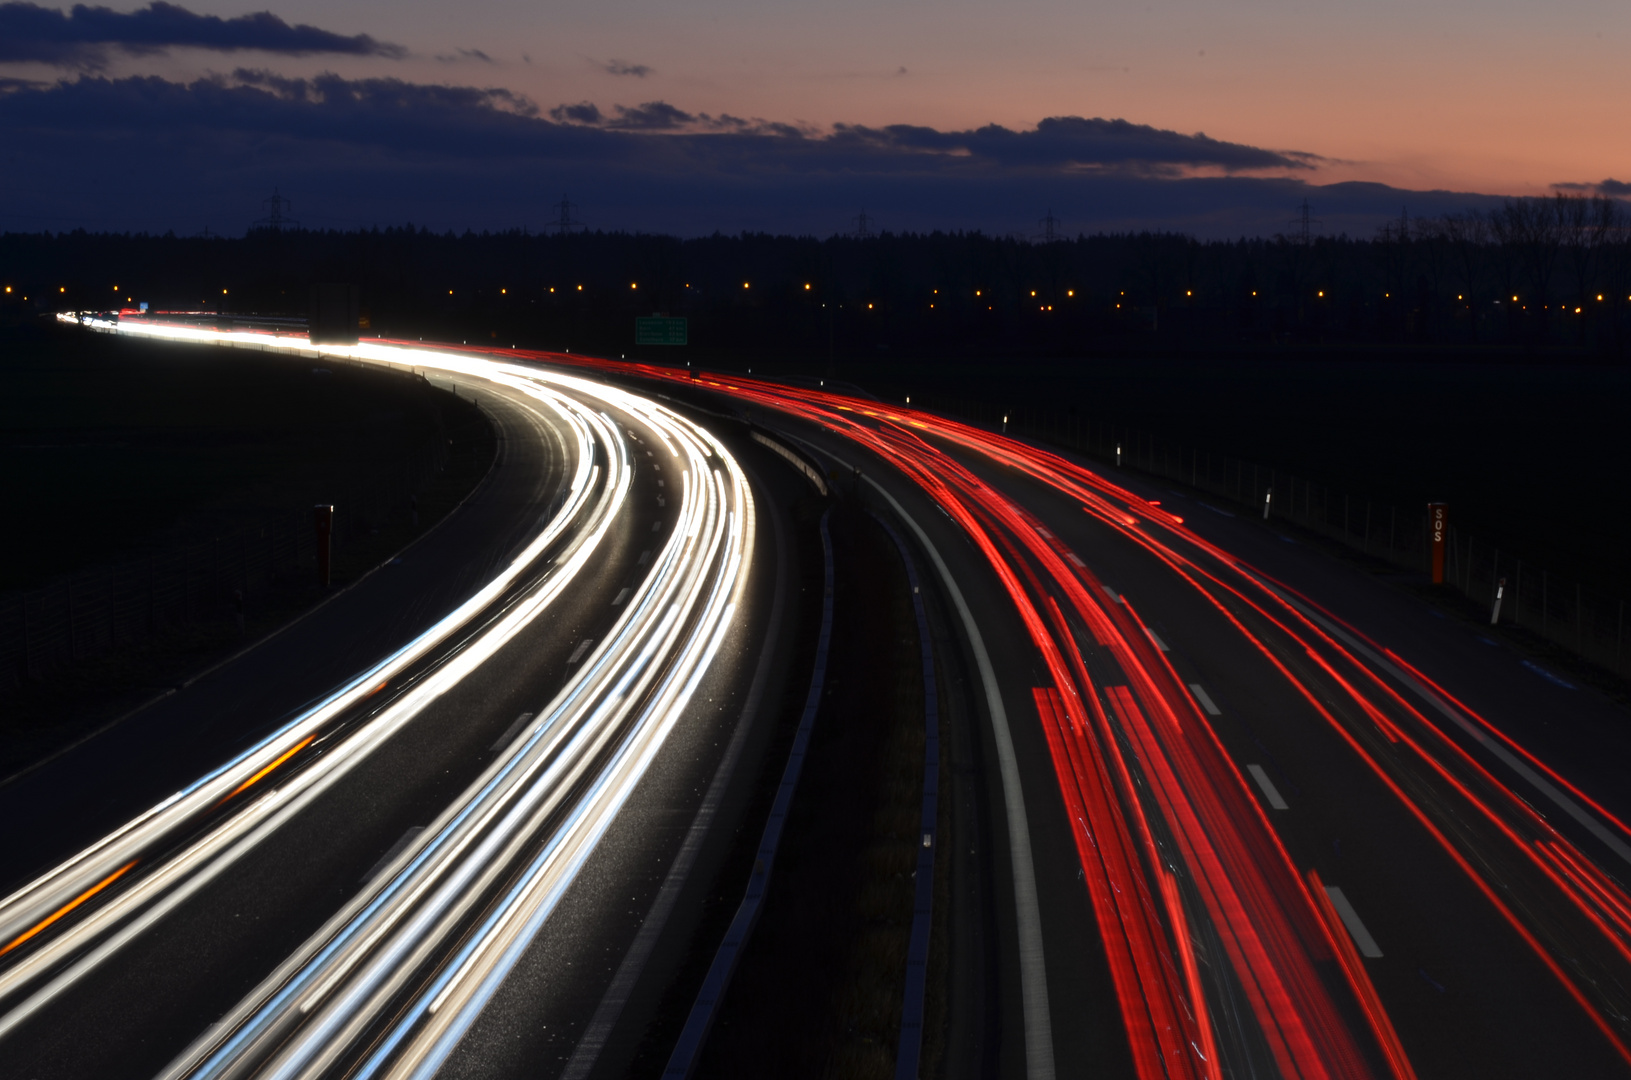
(410, 795)
(1219, 805)
(1373, 841)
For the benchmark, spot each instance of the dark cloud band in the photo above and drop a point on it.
(82, 37)
(387, 150)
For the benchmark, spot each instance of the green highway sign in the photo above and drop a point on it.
(660, 330)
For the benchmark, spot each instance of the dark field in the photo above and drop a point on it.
(1530, 457)
(113, 445)
(146, 482)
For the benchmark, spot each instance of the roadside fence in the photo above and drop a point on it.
(1570, 614)
(151, 593)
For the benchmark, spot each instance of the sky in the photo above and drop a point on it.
(689, 116)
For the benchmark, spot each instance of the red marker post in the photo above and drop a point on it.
(323, 521)
(1438, 523)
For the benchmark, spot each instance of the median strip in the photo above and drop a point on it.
(910, 1052)
(701, 1018)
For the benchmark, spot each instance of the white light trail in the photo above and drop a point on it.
(500, 857)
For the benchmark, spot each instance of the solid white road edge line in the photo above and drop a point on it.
(1033, 976)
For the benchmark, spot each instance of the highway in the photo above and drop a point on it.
(1302, 854)
(244, 920)
(1220, 806)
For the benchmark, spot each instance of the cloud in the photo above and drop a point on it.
(1073, 141)
(462, 55)
(623, 67)
(1056, 142)
(660, 116)
(586, 113)
(328, 99)
(151, 153)
(1611, 188)
(82, 37)
(652, 116)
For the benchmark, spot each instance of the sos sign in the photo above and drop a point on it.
(1438, 527)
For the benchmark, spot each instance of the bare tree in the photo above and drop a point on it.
(1530, 233)
(1434, 254)
(1467, 236)
(1587, 225)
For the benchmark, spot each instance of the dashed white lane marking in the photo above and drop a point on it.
(1350, 919)
(1270, 792)
(1111, 593)
(510, 732)
(645, 557)
(1205, 699)
(1159, 644)
(1073, 557)
(577, 653)
(1610, 839)
(622, 596)
(655, 525)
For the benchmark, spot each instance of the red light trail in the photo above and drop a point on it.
(1174, 846)
(1220, 947)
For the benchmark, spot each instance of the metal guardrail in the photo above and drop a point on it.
(793, 458)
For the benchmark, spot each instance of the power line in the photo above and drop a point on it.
(1051, 229)
(1304, 226)
(277, 217)
(564, 222)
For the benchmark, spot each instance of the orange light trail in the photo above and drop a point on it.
(71, 905)
(279, 760)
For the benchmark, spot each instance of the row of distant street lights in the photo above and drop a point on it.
(978, 293)
(1069, 294)
(62, 290)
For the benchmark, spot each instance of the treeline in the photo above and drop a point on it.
(1536, 274)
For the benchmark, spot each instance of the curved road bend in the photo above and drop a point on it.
(1356, 874)
(1467, 989)
(104, 1004)
(1470, 991)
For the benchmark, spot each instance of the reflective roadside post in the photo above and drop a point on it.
(323, 521)
(1268, 497)
(1495, 612)
(1438, 524)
